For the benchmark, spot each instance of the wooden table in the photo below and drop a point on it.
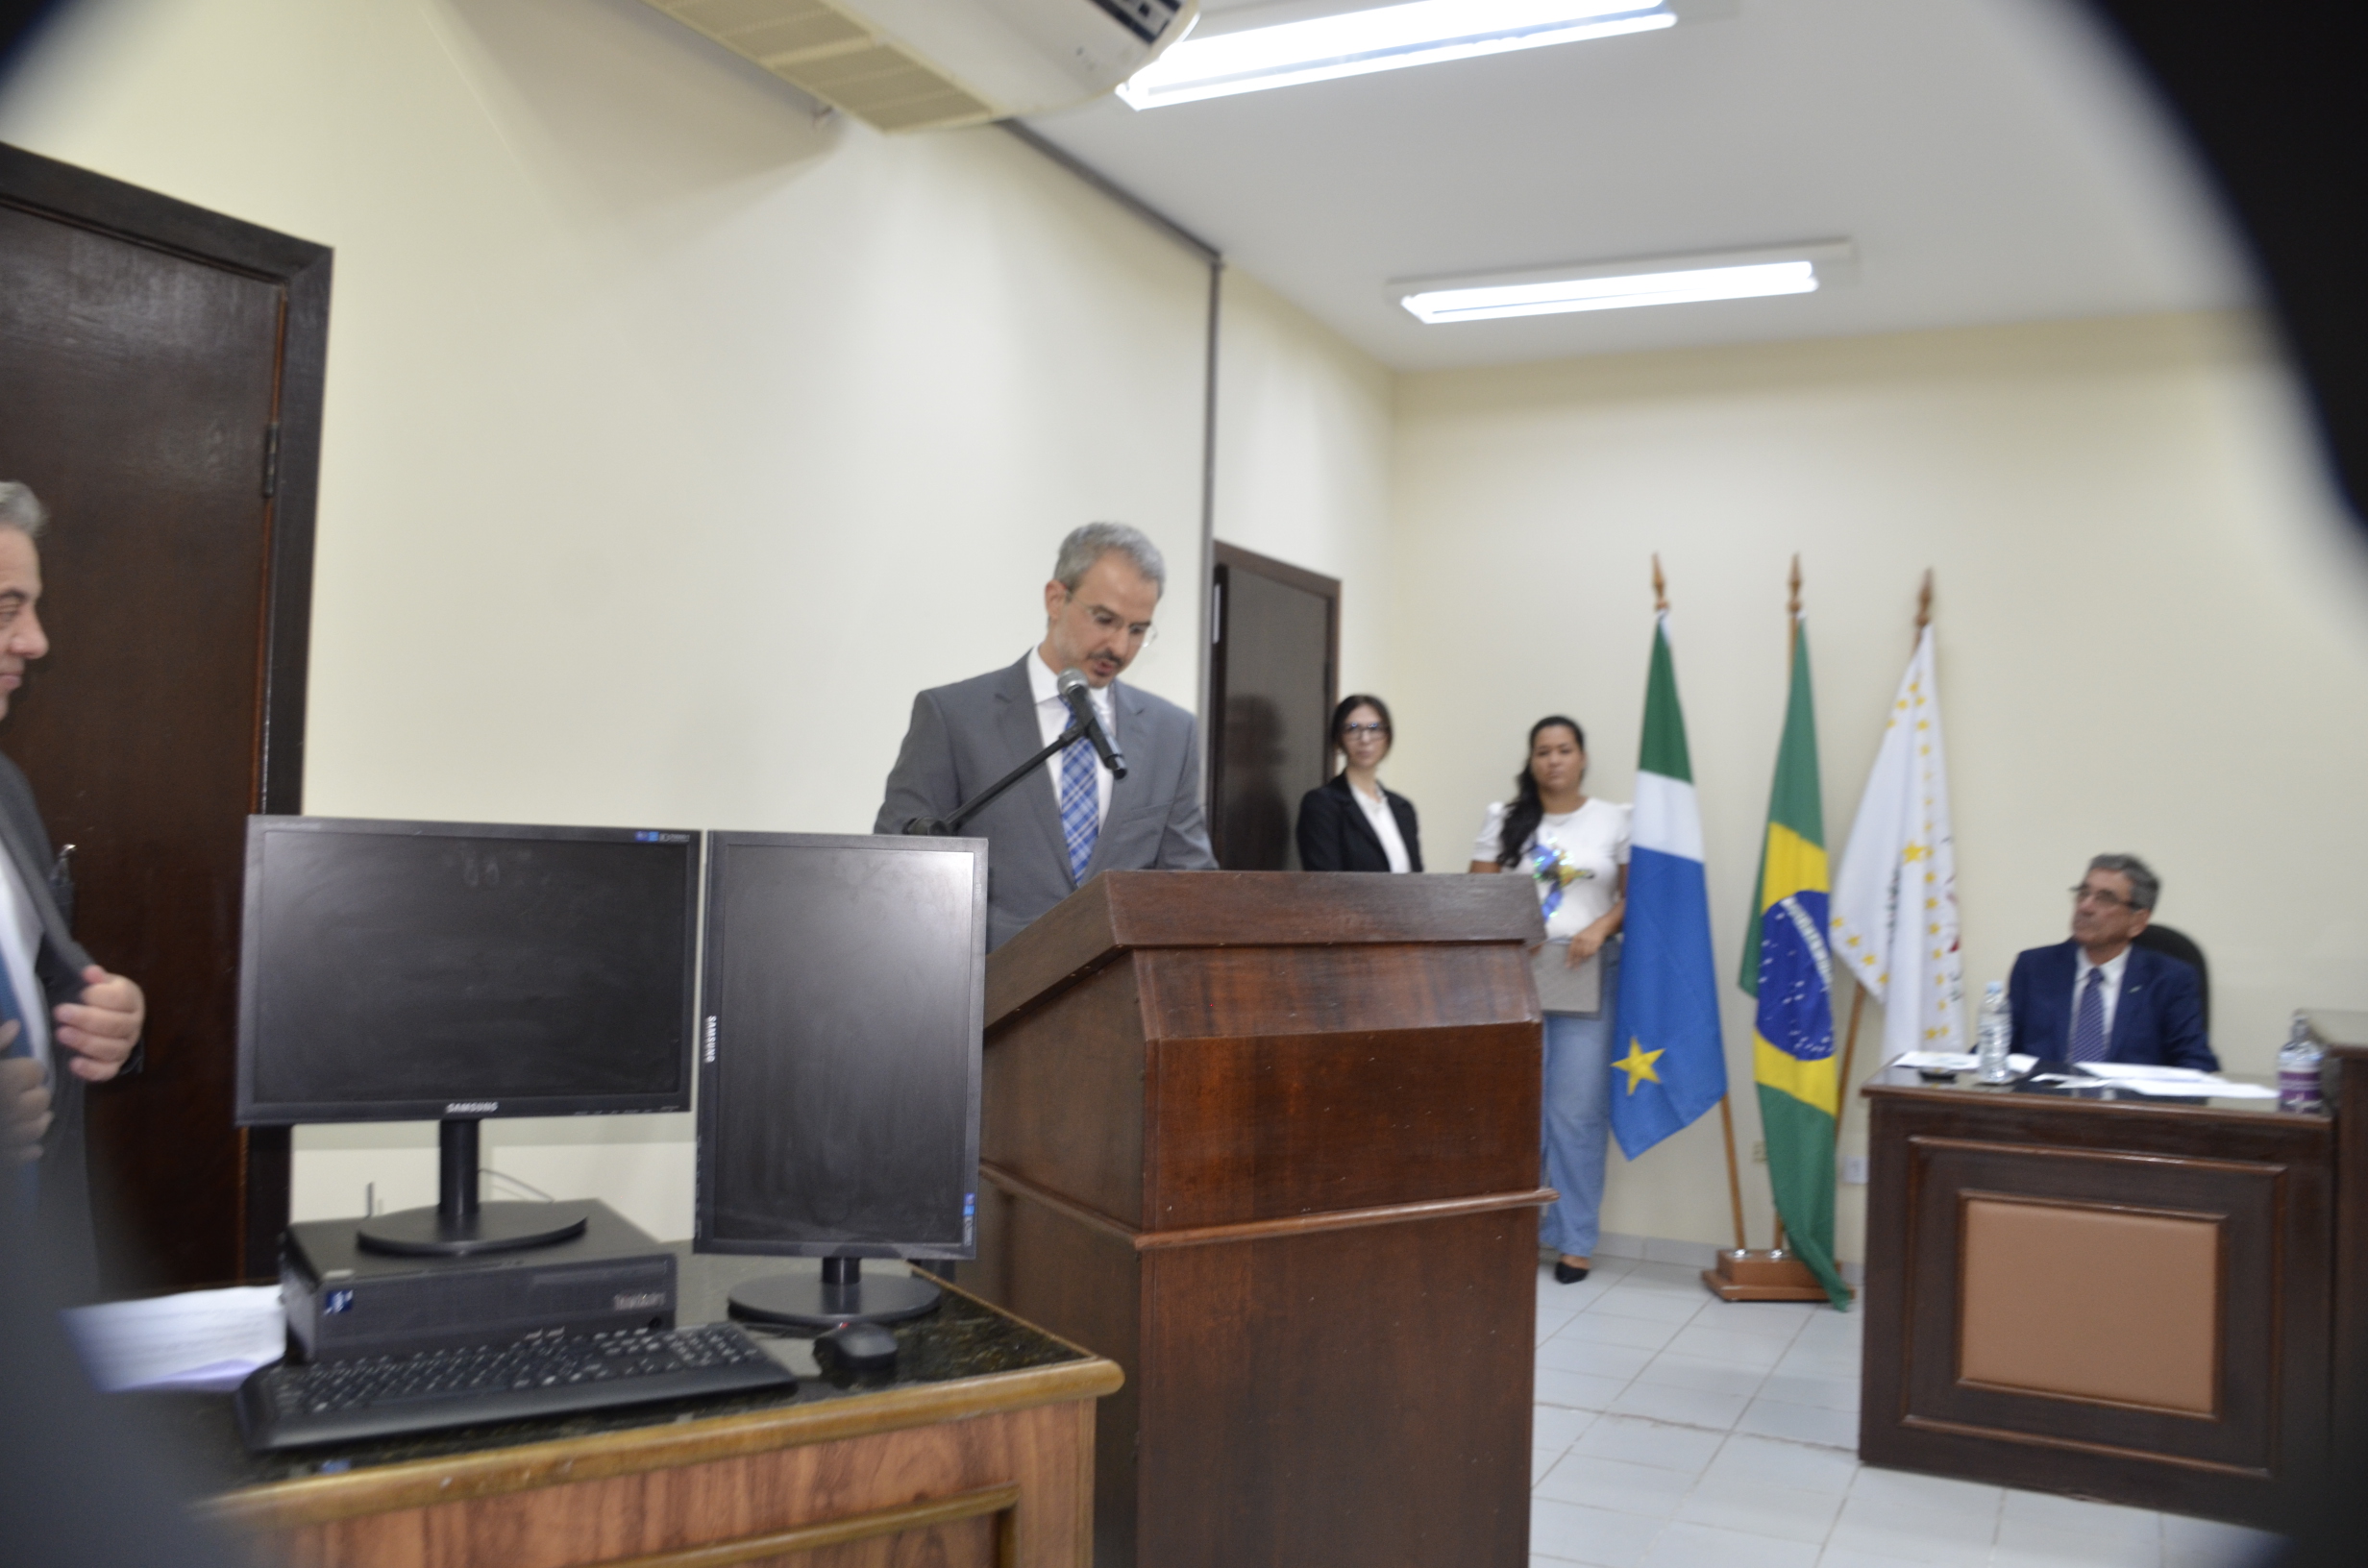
(979, 1449)
(2124, 1299)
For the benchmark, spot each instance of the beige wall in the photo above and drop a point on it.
(2151, 635)
(1304, 441)
(673, 440)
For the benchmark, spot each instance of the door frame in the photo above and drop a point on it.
(1226, 559)
(62, 193)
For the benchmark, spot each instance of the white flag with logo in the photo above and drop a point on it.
(1894, 911)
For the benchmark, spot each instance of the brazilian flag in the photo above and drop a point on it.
(1787, 967)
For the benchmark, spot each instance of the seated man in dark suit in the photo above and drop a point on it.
(2097, 998)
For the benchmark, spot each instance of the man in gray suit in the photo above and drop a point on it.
(1048, 837)
(65, 1021)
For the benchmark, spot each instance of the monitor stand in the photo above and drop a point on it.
(841, 1295)
(458, 1225)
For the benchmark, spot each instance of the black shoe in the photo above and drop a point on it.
(1567, 1273)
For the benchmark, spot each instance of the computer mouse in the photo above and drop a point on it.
(865, 1347)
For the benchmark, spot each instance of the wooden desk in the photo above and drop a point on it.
(980, 1450)
(2345, 1034)
(2127, 1300)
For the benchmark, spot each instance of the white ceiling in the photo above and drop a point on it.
(1989, 159)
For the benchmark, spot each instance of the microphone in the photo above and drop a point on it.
(1079, 697)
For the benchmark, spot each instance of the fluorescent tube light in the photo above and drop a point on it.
(1383, 39)
(1613, 293)
(1621, 285)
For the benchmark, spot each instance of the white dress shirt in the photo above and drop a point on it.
(2109, 992)
(1385, 827)
(1053, 716)
(20, 941)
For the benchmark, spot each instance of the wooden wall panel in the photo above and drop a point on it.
(2131, 1301)
(1084, 1284)
(1196, 991)
(1061, 1100)
(2261, 1183)
(1268, 1126)
(1305, 1366)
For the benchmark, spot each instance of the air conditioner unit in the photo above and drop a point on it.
(931, 65)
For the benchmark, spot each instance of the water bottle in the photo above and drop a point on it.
(2298, 1069)
(1994, 1037)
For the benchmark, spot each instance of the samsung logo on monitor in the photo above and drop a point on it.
(644, 835)
(472, 1107)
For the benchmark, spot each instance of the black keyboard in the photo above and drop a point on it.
(383, 1396)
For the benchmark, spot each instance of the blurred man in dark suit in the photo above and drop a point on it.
(2098, 998)
(65, 1021)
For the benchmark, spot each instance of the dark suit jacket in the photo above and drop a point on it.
(966, 736)
(1336, 836)
(64, 1177)
(2159, 1019)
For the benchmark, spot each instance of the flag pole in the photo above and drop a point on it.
(1857, 991)
(1792, 649)
(1746, 1275)
(1726, 1110)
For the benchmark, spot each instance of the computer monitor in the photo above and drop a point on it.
(838, 1069)
(403, 971)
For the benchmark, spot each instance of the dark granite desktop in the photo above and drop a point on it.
(962, 1338)
(2099, 1092)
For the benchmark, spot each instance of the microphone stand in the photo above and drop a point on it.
(948, 827)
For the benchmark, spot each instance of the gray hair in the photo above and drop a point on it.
(2144, 885)
(21, 509)
(1089, 544)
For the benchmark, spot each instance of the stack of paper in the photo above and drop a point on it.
(1957, 1061)
(2183, 1082)
(200, 1339)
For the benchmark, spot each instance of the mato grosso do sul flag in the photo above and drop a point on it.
(1789, 969)
(1671, 1062)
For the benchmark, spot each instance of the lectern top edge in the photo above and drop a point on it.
(1120, 911)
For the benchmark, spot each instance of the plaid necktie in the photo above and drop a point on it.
(1080, 809)
(2088, 1021)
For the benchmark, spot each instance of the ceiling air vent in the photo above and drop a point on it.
(933, 64)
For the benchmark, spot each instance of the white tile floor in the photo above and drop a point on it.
(1677, 1431)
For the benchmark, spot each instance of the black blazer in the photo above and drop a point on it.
(1334, 834)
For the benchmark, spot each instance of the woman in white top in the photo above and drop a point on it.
(1575, 850)
(1352, 824)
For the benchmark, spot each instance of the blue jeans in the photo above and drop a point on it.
(1578, 1111)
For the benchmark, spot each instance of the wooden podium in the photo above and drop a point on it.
(1269, 1141)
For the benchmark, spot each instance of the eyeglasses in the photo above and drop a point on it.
(2099, 895)
(1107, 620)
(1349, 732)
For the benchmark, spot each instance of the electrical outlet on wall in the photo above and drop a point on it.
(1759, 1153)
(1854, 1169)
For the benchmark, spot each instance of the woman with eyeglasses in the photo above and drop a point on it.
(1351, 823)
(1575, 850)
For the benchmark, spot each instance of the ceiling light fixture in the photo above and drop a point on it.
(1621, 286)
(1384, 38)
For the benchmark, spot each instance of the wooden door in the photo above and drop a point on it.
(1273, 680)
(162, 396)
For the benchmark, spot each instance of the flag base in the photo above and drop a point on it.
(1761, 1275)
